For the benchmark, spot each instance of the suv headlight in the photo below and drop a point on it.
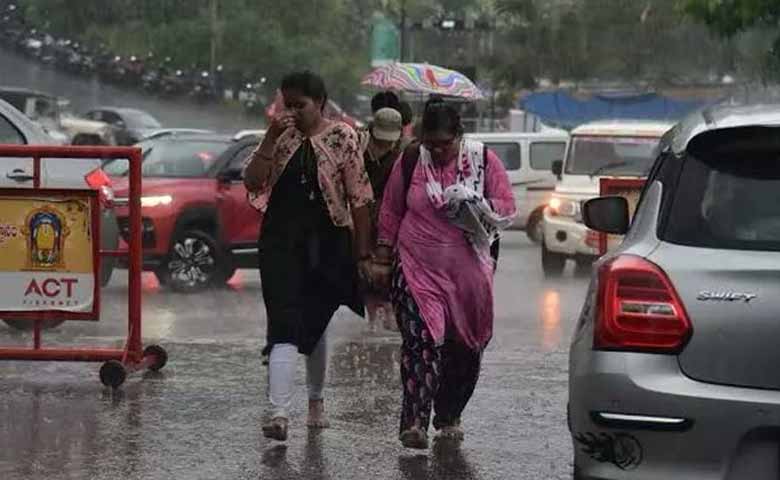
(564, 207)
(156, 201)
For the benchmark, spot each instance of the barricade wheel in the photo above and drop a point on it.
(160, 355)
(113, 374)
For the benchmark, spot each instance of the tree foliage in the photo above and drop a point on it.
(729, 17)
(556, 40)
(732, 18)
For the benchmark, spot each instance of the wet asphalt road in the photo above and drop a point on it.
(200, 417)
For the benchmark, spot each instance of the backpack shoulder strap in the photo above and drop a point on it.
(409, 162)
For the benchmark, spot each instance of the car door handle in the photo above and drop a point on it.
(20, 176)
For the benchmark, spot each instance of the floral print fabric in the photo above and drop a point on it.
(341, 173)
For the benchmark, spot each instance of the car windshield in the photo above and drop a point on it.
(611, 155)
(138, 119)
(33, 106)
(172, 159)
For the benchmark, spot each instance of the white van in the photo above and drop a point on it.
(528, 158)
(621, 148)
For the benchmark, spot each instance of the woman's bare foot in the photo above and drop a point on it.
(276, 429)
(414, 438)
(317, 418)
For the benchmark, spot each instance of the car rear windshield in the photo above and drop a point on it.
(727, 201)
(611, 155)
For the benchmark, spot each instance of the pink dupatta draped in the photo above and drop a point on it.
(449, 283)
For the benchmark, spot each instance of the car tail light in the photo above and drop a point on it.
(638, 309)
(98, 180)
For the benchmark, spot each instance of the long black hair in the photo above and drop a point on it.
(309, 84)
(385, 100)
(440, 116)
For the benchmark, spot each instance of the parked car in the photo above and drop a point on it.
(39, 107)
(17, 129)
(162, 132)
(673, 365)
(130, 124)
(83, 131)
(601, 149)
(198, 226)
(528, 158)
(242, 134)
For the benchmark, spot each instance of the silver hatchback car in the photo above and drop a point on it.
(675, 360)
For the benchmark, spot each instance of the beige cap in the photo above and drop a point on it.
(387, 125)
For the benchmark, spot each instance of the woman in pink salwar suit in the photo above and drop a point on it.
(440, 286)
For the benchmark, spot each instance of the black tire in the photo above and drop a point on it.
(584, 265)
(193, 263)
(162, 276)
(534, 227)
(552, 263)
(225, 274)
(113, 374)
(28, 325)
(106, 271)
(161, 357)
(87, 139)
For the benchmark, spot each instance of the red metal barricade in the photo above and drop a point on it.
(118, 362)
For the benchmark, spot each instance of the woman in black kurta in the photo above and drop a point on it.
(307, 178)
(309, 269)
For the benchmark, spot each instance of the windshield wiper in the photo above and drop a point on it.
(608, 166)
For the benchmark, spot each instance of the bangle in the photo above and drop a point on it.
(383, 261)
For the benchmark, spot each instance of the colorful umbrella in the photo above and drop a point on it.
(422, 78)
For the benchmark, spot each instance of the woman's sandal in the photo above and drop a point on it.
(276, 429)
(414, 438)
(453, 433)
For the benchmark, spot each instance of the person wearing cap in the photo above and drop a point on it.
(381, 147)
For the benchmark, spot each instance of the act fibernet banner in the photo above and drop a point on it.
(46, 253)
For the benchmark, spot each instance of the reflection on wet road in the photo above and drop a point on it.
(200, 418)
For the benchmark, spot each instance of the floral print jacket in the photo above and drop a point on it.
(340, 170)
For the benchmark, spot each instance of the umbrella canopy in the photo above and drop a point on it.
(422, 78)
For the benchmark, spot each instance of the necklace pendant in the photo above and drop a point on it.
(311, 196)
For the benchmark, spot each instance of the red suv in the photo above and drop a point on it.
(198, 227)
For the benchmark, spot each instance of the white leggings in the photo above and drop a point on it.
(281, 375)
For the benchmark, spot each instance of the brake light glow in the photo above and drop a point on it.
(638, 308)
(98, 180)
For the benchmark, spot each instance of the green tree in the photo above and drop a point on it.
(729, 17)
(733, 18)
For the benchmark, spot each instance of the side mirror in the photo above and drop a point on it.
(557, 168)
(607, 215)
